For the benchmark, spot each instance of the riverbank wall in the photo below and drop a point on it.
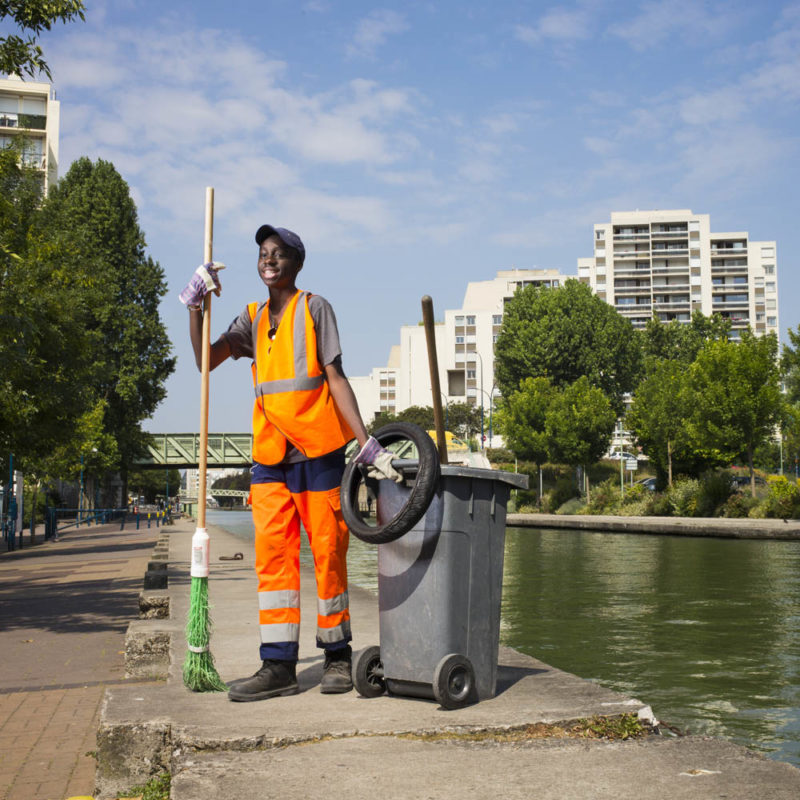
(718, 527)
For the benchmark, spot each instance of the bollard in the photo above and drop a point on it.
(137, 520)
(148, 520)
(123, 517)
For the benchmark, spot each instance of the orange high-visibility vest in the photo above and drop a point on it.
(293, 401)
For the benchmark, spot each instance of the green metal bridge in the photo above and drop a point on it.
(183, 450)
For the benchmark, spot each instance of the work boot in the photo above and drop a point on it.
(274, 679)
(337, 674)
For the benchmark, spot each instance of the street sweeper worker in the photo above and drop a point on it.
(304, 415)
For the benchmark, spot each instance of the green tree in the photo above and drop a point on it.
(790, 365)
(417, 415)
(19, 54)
(464, 420)
(580, 422)
(45, 347)
(736, 398)
(90, 223)
(564, 334)
(659, 413)
(152, 483)
(522, 419)
(679, 341)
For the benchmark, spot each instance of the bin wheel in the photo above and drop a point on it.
(454, 682)
(368, 672)
(419, 499)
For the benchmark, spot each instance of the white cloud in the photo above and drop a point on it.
(559, 24)
(178, 110)
(659, 20)
(373, 31)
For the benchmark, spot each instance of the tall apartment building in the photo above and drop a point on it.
(667, 264)
(30, 110)
(465, 350)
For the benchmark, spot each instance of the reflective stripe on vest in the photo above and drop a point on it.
(302, 381)
(293, 402)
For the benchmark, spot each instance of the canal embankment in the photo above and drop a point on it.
(390, 746)
(720, 527)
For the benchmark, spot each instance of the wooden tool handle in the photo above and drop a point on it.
(433, 364)
(208, 251)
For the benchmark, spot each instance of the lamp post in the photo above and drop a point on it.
(480, 358)
(490, 395)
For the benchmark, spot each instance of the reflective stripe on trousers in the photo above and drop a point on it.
(277, 513)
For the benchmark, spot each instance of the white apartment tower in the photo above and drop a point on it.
(30, 110)
(465, 350)
(667, 264)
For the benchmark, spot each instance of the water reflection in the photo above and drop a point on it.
(705, 630)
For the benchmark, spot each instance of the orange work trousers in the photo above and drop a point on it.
(282, 497)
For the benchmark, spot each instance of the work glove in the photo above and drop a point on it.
(204, 280)
(378, 461)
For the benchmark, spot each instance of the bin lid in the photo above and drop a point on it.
(516, 479)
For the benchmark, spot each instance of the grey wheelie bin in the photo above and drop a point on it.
(439, 590)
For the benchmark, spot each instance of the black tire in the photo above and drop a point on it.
(368, 672)
(422, 492)
(454, 682)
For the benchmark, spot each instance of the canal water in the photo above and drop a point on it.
(706, 631)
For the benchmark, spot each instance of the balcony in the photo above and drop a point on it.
(632, 253)
(29, 122)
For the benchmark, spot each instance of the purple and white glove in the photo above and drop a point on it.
(203, 281)
(379, 461)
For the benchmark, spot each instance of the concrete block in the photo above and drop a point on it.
(153, 606)
(159, 564)
(146, 651)
(156, 579)
(130, 754)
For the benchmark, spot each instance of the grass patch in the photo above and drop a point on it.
(619, 728)
(155, 789)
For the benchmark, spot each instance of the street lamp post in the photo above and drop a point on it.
(480, 358)
(490, 395)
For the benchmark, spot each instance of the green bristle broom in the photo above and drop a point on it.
(199, 672)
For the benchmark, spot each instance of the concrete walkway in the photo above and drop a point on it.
(718, 527)
(299, 746)
(64, 609)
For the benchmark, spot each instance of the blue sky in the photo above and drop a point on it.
(419, 146)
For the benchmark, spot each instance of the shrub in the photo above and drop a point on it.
(604, 498)
(715, 489)
(564, 490)
(740, 505)
(782, 500)
(683, 497)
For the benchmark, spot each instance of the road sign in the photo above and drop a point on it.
(631, 464)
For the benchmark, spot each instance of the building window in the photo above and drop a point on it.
(770, 286)
(760, 316)
(772, 321)
(771, 305)
(470, 320)
(460, 320)
(497, 319)
(769, 269)
(459, 340)
(470, 373)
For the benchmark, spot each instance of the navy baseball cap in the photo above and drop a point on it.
(285, 235)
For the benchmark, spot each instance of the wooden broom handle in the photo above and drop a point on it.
(433, 365)
(208, 251)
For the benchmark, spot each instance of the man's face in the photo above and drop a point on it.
(278, 264)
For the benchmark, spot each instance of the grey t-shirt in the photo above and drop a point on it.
(240, 340)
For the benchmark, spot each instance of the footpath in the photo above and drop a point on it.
(717, 527)
(295, 747)
(64, 609)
